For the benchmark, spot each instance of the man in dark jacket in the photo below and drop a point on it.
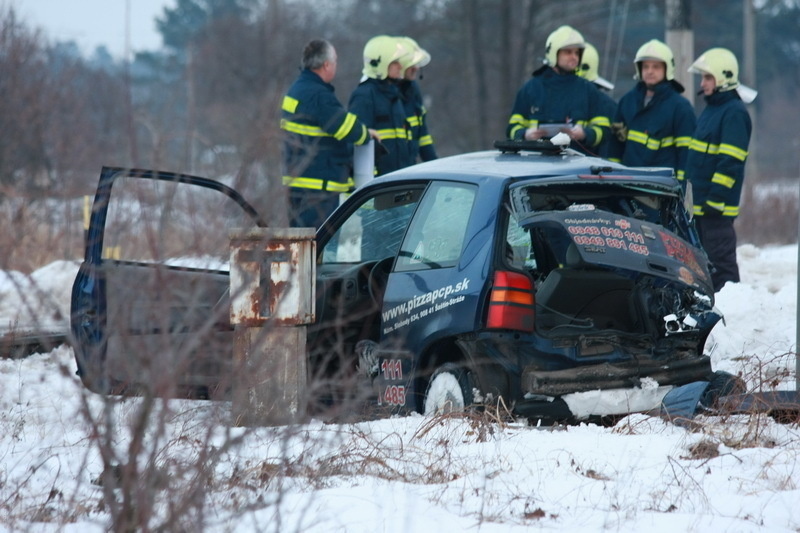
(653, 123)
(319, 133)
(377, 102)
(556, 95)
(715, 164)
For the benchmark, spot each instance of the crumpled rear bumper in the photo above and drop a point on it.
(605, 376)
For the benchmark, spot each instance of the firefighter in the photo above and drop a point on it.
(556, 95)
(716, 159)
(416, 115)
(653, 123)
(589, 70)
(378, 103)
(319, 132)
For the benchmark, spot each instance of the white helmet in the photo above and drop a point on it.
(563, 37)
(655, 50)
(588, 69)
(419, 57)
(722, 64)
(380, 52)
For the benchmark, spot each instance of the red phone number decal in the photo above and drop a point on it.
(611, 237)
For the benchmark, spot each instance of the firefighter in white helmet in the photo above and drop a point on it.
(422, 146)
(717, 154)
(653, 123)
(377, 101)
(590, 69)
(556, 96)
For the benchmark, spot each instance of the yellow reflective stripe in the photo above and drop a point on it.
(318, 184)
(697, 209)
(681, 175)
(682, 142)
(413, 121)
(700, 146)
(598, 133)
(514, 130)
(733, 151)
(290, 104)
(726, 210)
(393, 133)
(722, 179)
(425, 140)
(519, 119)
(615, 159)
(649, 142)
(364, 136)
(600, 121)
(303, 129)
(719, 206)
(731, 211)
(344, 129)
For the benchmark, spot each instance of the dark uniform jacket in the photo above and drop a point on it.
(317, 148)
(416, 116)
(717, 153)
(379, 105)
(553, 98)
(658, 133)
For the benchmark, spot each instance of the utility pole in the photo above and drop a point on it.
(680, 39)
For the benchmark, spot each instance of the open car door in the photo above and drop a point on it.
(150, 305)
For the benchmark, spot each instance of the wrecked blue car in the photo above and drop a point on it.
(560, 286)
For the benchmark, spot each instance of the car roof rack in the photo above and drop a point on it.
(538, 145)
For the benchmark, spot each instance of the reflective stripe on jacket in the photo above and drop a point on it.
(658, 133)
(377, 103)
(717, 154)
(552, 98)
(416, 116)
(319, 133)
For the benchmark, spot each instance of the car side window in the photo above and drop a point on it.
(436, 235)
(519, 253)
(374, 230)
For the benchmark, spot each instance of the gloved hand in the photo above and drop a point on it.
(620, 130)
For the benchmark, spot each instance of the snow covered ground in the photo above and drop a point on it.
(402, 474)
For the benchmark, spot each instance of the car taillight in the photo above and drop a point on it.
(511, 303)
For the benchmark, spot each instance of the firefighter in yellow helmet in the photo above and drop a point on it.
(717, 154)
(590, 69)
(653, 123)
(377, 101)
(556, 96)
(416, 115)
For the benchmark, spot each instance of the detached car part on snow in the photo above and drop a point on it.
(568, 286)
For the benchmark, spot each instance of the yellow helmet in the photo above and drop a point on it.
(419, 57)
(380, 52)
(655, 50)
(720, 63)
(563, 37)
(590, 61)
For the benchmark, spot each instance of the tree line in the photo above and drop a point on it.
(208, 101)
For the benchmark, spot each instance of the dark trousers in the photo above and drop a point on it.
(719, 240)
(309, 208)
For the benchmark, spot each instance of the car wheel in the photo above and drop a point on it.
(449, 390)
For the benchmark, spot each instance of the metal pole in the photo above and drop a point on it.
(680, 39)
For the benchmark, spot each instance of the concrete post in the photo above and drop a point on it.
(272, 300)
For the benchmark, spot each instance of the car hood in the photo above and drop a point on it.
(621, 243)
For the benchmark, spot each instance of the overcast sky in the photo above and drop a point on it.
(92, 23)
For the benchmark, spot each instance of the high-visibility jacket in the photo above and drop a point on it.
(553, 98)
(609, 107)
(377, 103)
(416, 115)
(319, 133)
(658, 133)
(717, 154)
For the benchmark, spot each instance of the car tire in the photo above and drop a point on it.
(449, 391)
